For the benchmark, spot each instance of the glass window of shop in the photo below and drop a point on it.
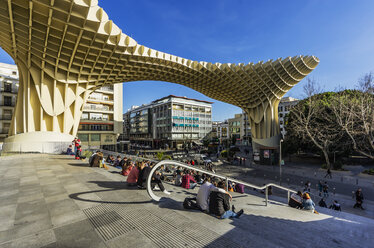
(83, 137)
(95, 137)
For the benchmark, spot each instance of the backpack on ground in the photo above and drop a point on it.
(190, 203)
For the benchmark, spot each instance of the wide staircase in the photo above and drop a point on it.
(56, 201)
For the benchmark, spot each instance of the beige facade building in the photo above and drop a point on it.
(65, 50)
(101, 121)
(284, 108)
(220, 132)
(8, 95)
(245, 130)
(235, 128)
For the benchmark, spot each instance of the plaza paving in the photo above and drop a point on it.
(55, 201)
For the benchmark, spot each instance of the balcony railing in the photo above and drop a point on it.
(107, 88)
(6, 117)
(98, 108)
(100, 99)
(7, 104)
(4, 130)
(12, 91)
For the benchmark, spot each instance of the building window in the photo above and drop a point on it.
(95, 137)
(84, 116)
(7, 87)
(83, 137)
(7, 101)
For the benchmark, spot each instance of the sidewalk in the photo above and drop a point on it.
(351, 176)
(346, 202)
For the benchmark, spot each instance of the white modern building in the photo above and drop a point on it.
(169, 122)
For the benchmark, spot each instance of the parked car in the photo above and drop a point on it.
(202, 159)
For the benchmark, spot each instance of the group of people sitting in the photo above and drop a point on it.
(77, 152)
(303, 201)
(213, 198)
(335, 205)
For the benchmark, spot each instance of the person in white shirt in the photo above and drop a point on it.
(202, 197)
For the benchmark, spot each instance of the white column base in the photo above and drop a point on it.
(39, 142)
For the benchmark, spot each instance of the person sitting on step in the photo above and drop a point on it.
(219, 203)
(186, 181)
(295, 200)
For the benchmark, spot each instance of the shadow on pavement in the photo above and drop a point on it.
(79, 164)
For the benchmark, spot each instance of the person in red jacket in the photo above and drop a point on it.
(186, 181)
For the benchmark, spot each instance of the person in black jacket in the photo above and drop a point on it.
(359, 199)
(142, 179)
(219, 203)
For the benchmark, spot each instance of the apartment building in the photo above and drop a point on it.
(234, 128)
(284, 108)
(101, 121)
(220, 132)
(169, 122)
(245, 130)
(8, 95)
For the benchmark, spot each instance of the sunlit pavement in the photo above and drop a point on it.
(56, 201)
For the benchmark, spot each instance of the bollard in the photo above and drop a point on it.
(288, 181)
(356, 181)
(315, 174)
(266, 196)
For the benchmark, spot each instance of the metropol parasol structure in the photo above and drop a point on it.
(66, 49)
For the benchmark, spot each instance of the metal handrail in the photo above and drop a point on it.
(227, 179)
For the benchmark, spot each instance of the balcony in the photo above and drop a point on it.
(100, 98)
(106, 89)
(6, 117)
(98, 108)
(7, 104)
(10, 91)
(4, 130)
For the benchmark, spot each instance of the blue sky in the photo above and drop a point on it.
(340, 33)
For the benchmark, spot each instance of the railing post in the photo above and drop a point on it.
(288, 195)
(266, 196)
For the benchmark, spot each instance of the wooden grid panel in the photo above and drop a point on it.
(65, 49)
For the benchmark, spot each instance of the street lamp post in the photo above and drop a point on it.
(280, 161)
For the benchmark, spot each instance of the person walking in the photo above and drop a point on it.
(328, 173)
(325, 190)
(320, 188)
(359, 199)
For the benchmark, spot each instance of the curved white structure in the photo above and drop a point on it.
(65, 49)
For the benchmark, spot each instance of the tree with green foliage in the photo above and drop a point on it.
(162, 156)
(312, 121)
(354, 112)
